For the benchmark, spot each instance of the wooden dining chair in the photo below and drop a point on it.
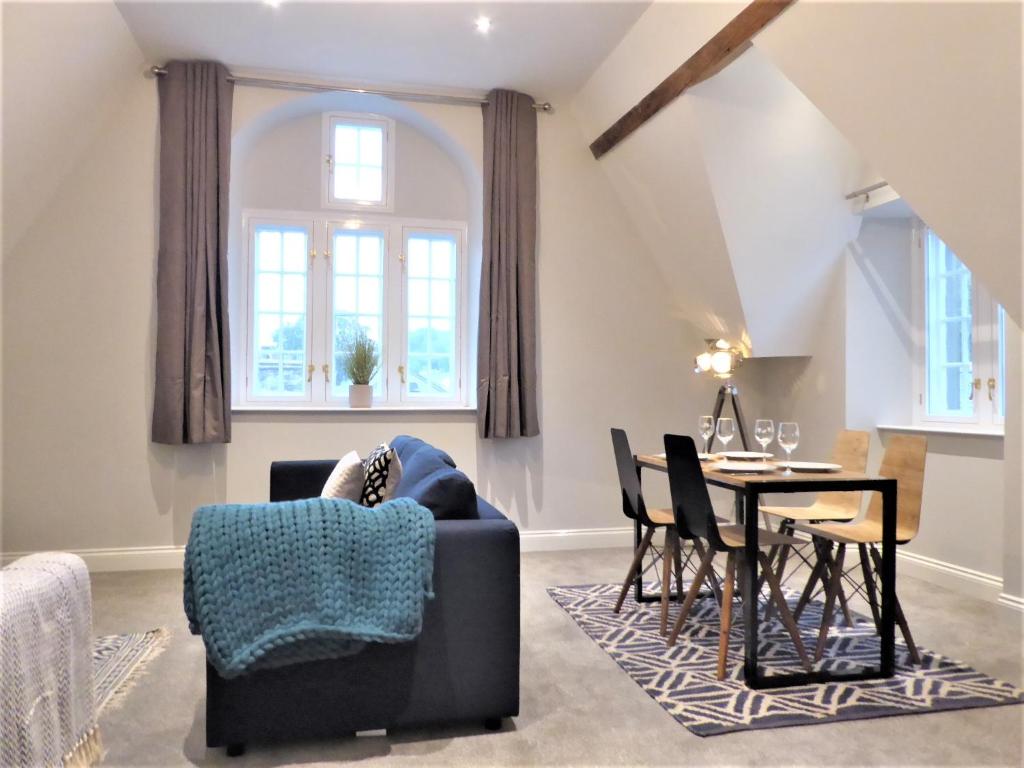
(692, 509)
(904, 461)
(850, 451)
(651, 520)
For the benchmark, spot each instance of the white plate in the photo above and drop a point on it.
(756, 467)
(745, 455)
(810, 466)
(701, 456)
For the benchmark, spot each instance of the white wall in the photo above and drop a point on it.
(930, 94)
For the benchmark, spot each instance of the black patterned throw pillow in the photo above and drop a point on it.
(376, 468)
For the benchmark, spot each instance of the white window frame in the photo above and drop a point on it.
(461, 303)
(327, 199)
(984, 352)
(250, 225)
(320, 277)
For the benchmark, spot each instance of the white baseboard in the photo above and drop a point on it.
(578, 538)
(165, 558)
(172, 558)
(967, 581)
(1011, 601)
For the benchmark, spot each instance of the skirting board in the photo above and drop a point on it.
(172, 558)
(964, 580)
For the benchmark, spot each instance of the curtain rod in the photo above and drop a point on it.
(293, 85)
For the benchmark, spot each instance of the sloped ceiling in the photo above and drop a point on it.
(779, 172)
(65, 66)
(738, 186)
(930, 94)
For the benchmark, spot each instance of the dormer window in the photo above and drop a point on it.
(359, 155)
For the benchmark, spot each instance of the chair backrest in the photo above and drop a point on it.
(851, 453)
(903, 460)
(629, 481)
(691, 503)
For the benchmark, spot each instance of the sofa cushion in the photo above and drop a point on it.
(430, 478)
(445, 491)
(406, 445)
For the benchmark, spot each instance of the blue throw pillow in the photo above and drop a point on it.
(406, 445)
(445, 491)
(430, 478)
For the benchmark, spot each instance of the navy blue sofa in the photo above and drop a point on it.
(463, 667)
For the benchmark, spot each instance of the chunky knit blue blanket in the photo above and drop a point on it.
(273, 584)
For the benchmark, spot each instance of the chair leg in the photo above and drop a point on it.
(784, 614)
(667, 558)
(812, 582)
(638, 558)
(782, 552)
(869, 584)
(726, 615)
(915, 657)
(712, 576)
(830, 600)
(702, 571)
(677, 559)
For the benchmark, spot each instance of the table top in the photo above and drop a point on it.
(778, 480)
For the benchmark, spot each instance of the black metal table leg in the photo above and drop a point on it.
(888, 630)
(748, 503)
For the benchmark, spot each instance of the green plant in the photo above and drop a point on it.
(361, 360)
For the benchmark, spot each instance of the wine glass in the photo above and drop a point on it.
(726, 430)
(764, 433)
(789, 438)
(707, 429)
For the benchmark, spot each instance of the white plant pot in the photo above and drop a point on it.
(360, 395)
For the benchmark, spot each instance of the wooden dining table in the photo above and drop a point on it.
(748, 488)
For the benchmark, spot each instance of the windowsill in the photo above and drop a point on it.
(291, 409)
(942, 429)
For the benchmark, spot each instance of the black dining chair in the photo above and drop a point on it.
(692, 510)
(635, 509)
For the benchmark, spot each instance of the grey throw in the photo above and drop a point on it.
(507, 350)
(192, 401)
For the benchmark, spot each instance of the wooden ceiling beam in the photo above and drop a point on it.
(728, 43)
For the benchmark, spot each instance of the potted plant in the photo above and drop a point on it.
(361, 363)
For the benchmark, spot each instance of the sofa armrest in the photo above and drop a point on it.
(291, 480)
(473, 622)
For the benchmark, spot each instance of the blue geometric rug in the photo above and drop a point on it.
(119, 661)
(682, 678)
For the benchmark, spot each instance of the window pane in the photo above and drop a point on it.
(294, 293)
(279, 306)
(371, 146)
(358, 301)
(268, 292)
(431, 323)
(346, 140)
(295, 252)
(268, 250)
(345, 254)
(346, 182)
(948, 332)
(358, 152)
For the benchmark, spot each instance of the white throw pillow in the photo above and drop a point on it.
(346, 480)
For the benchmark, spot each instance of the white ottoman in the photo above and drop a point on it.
(47, 708)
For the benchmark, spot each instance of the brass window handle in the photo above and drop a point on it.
(309, 372)
(976, 384)
(991, 389)
(401, 373)
(327, 371)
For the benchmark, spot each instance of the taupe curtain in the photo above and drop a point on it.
(192, 403)
(507, 349)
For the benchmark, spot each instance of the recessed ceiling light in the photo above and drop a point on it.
(482, 24)
(273, 3)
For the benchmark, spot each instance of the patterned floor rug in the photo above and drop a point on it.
(119, 661)
(682, 679)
